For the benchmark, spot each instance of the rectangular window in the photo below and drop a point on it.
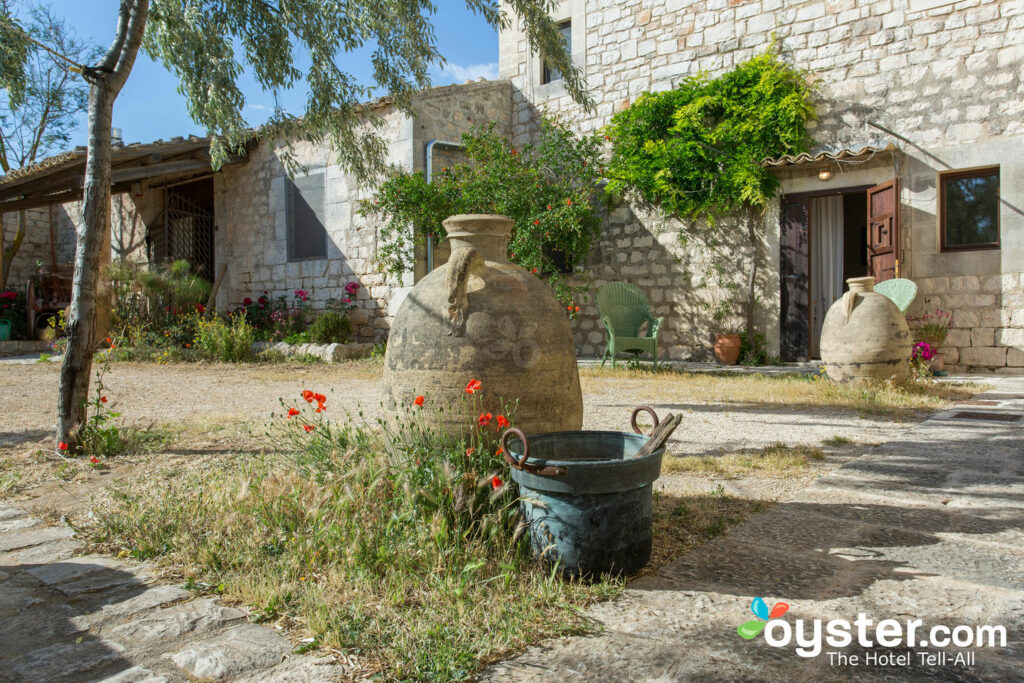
(549, 74)
(307, 236)
(969, 209)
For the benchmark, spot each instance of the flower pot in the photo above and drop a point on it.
(865, 337)
(480, 317)
(938, 362)
(727, 348)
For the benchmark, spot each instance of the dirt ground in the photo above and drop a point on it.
(210, 413)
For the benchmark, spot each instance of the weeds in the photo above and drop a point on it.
(777, 458)
(837, 440)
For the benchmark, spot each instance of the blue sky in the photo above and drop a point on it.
(149, 107)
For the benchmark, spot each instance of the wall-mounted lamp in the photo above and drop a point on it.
(824, 174)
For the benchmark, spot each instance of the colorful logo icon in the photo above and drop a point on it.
(750, 629)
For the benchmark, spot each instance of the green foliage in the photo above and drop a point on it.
(12, 309)
(391, 541)
(228, 341)
(697, 150)
(754, 350)
(208, 44)
(155, 297)
(549, 189)
(331, 328)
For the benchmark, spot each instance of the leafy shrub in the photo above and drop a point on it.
(229, 340)
(331, 328)
(12, 308)
(549, 189)
(154, 297)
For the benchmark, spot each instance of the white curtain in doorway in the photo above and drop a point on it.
(826, 230)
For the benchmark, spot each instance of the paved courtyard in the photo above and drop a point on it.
(909, 520)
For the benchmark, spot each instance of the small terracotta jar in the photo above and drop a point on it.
(727, 348)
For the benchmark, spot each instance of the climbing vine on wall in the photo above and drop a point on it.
(696, 151)
(549, 188)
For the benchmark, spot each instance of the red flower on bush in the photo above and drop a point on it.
(200, 308)
(418, 401)
(496, 482)
(502, 422)
(292, 412)
(247, 301)
(103, 399)
(473, 386)
(484, 419)
(536, 221)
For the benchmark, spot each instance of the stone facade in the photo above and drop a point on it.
(251, 210)
(945, 76)
(35, 248)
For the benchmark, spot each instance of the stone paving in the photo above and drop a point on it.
(96, 618)
(929, 526)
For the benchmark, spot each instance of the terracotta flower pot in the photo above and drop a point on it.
(938, 362)
(727, 348)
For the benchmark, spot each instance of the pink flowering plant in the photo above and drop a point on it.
(931, 327)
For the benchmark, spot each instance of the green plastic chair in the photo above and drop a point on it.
(900, 291)
(624, 309)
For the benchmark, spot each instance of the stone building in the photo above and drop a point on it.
(918, 172)
(921, 107)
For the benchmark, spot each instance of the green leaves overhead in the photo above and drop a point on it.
(697, 150)
(208, 44)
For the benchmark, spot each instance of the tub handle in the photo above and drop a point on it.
(521, 464)
(637, 411)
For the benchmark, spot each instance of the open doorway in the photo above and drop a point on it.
(824, 240)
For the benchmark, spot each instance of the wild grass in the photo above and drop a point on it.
(393, 545)
(837, 440)
(795, 391)
(776, 459)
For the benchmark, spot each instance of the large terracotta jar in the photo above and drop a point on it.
(481, 317)
(865, 336)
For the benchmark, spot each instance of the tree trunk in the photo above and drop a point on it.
(106, 82)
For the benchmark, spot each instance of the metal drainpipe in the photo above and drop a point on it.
(430, 174)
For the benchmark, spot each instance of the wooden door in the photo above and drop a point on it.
(884, 230)
(794, 239)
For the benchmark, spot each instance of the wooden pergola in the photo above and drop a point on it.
(59, 179)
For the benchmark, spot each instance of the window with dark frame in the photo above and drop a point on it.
(307, 236)
(969, 209)
(549, 74)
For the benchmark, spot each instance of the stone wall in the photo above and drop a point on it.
(35, 248)
(941, 74)
(251, 209)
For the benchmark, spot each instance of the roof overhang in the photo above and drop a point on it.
(829, 157)
(60, 178)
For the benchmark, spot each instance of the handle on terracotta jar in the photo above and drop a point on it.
(637, 411)
(460, 264)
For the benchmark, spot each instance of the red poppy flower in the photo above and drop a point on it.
(502, 422)
(473, 386)
(418, 401)
(534, 271)
(292, 412)
(500, 451)
(549, 207)
(496, 482)
(103, 399)
(320, 398)
(308, 395)
(536, 221)
(309, 428)
(469, 451)
(568, 202)
(108, 340)
(62, 446)
(484, 419)
(94, 460)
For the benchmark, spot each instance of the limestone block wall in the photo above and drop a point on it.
(987, 334)
(939, 73)
(251, 209)
(35, 248)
